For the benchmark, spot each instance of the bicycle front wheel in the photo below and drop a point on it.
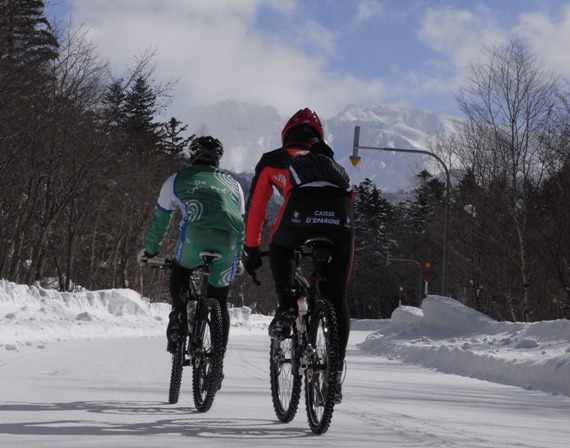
(208, 354)
(321, 375)
(285, 385)
(178, 358)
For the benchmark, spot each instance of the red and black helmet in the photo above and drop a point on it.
(304, 117)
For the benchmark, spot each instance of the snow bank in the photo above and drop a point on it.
(452, 338)
(34, 315)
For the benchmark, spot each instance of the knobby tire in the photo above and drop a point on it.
(321, 376)
(285, 386)
(176, 372)
(207, 362)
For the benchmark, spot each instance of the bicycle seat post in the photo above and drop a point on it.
(321, 253)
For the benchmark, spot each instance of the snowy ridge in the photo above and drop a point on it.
(387, 127)
(248, 130)
(452, 338)
(443, 335)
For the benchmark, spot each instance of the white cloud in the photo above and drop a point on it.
(221, 49)
(215, 52)
(318, 36)
(548, 38)
(460, 34)
(368, 9)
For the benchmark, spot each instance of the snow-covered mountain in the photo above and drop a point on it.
(386, 127)
(246, 130)
(249, 130)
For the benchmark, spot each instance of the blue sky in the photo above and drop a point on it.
(323, 54)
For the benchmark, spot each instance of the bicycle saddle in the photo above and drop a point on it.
(209, 255)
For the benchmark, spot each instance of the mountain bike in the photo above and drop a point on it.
(203, 347)
(311, 351)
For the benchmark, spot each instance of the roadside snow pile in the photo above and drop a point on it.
(34, 314)
(447, 336)
(243, 320)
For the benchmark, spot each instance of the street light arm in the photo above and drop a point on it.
(357, 146)
(389, 259)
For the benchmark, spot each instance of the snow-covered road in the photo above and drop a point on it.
(113, 392)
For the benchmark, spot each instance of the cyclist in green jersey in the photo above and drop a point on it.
(212, 206)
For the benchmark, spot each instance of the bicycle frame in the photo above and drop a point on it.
(311, 350)
(202, 346)
(198, 278)
(308, 287)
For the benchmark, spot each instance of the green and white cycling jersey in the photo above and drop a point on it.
(212, 206)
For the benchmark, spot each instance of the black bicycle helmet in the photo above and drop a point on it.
(206, 151)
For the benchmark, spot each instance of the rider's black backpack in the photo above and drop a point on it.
(314, 167)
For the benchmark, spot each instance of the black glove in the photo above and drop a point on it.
(252, 260)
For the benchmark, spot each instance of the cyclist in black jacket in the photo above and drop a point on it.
(318, 202)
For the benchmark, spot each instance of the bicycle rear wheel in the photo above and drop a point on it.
(321, 376)
(285, 386)
(178, 358)
(208, 354)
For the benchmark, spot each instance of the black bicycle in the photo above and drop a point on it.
(201, 348)
(311, 351)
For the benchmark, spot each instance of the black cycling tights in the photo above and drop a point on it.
(282, 261)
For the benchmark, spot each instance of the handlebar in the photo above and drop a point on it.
(207, 256)
(159, 263)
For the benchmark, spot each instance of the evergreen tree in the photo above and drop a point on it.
(172, 142)
(113, 116)
(140, 109)
(373, 213)
(27, 50)
(420, 224)
(428, 196)
(370, 291)
(26, 37)
(27, 46)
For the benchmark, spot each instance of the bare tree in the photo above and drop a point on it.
(506, 143)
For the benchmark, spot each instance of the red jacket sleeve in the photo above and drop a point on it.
(257, 211)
